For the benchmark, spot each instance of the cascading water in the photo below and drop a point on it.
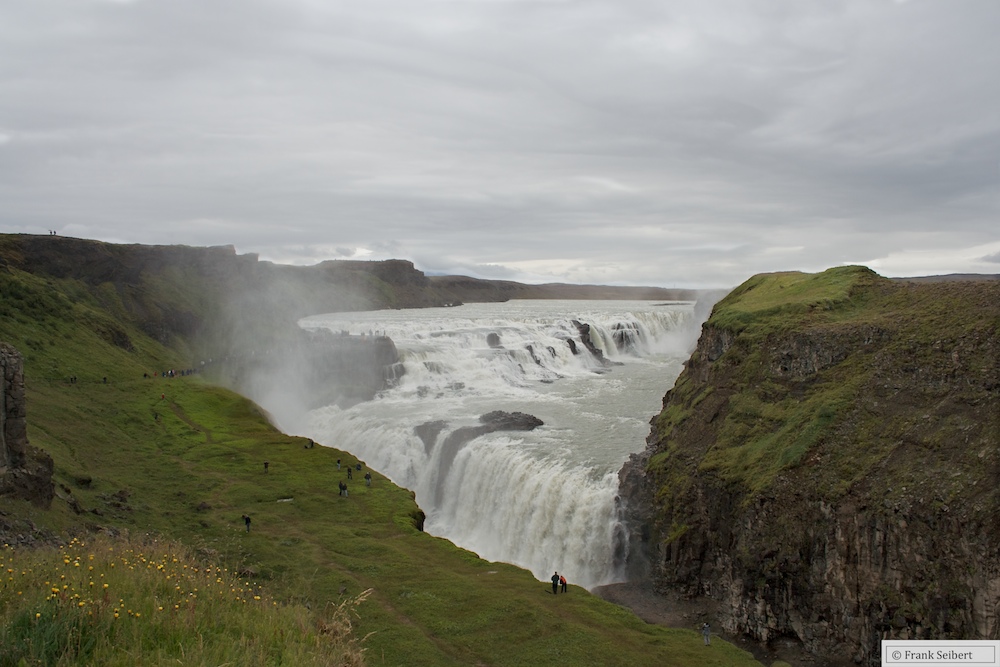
(544, 499)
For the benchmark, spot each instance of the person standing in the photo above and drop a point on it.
(706, 633)
(368, 479)
(246, 520)
(562, 583)
(555, 583)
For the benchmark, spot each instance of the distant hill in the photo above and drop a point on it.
(952, 277)
(464, 289)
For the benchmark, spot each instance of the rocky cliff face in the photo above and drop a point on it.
(829, 470)
(13, 431)
(25, 472)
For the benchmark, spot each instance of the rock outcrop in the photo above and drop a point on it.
(827, 466)
(25, 472)
(584, 330)
(13, 424)
(498, 420)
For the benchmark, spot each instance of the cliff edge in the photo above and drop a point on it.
(826, 467)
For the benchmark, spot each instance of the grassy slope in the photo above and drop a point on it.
(184, 458)
(771, 428)
(859, 409)
(119, 602)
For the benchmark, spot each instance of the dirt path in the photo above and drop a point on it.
(668, 610)
(179, 411)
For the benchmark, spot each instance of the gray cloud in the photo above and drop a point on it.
(679, 143)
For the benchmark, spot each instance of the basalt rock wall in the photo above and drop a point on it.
(13, 432)
(25, 472)
(829, 472)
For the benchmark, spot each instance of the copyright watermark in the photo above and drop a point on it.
(909, 653)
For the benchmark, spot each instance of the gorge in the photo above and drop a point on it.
(824, 469)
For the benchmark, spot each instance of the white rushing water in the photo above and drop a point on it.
(544, 499)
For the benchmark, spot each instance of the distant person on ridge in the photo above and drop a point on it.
(706, 633)
(368, 479)
(562, 583)
(555, 583)
(246, 520)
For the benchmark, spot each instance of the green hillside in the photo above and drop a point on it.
(832, 364)
(140, 454)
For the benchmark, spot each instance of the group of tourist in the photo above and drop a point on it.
(350, 475)
(341, 485)
(171, 373)
(558, 582)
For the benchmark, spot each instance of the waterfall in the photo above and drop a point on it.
(542, 499)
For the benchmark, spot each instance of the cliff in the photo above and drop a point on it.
(210, 297)
(826, 467)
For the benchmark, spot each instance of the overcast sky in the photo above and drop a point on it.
(649, 142)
